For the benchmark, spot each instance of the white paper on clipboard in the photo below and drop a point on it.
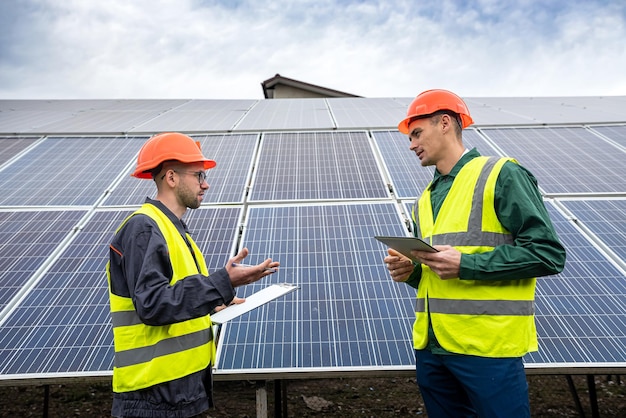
(252, 302)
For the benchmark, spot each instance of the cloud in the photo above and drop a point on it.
(225, 49)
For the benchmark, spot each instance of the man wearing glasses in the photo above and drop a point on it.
(161, 293)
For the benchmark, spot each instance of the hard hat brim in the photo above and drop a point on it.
(403, 126)
(147, 174)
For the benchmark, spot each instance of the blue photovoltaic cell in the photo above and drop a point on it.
(27, 239)
(66, 170)
(347, 311)
(408, 177)
(565, 160)
(227, 181)
(605, 218)
(617, 133)
(316, 166)
(580, 312)
(63, 325)
(10, 147)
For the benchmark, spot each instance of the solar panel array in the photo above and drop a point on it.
(66, 171)
(27, 239)
(346, 313)
(408, 177)
(566, 159)
(291, 184)
(60, 117)
(606, 219)
(580, 312)
(63, 326)
(317, 166)
(234, 154)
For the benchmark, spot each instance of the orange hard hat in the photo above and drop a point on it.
(168, 146)
(429, 102)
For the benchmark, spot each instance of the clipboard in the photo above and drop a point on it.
(404, 245)
(252, 302)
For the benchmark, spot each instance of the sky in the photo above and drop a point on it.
(225, 49)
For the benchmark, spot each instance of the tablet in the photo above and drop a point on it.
(404, 245)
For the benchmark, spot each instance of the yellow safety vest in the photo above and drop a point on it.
(148, 355)
(474, 317)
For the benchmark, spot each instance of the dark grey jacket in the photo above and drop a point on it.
(143, 272)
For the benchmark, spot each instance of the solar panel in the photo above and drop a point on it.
(100, 121)
(615, 133)
(564, 159)
(546, 110)
(287, 114)
(581, 319)
(141, 105)
(215, 229)
(316, 166)
(605, 218)
(407, 175)
(28, 121)
(66, 170)
(199, 115)
(12, 146)
(347, 312)
(227, 181)
(27, 239)
(486, 113)
(359, 112)
(29, 105)
(63, 325)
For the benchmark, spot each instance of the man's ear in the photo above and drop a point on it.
(446, 122)
(169, 177)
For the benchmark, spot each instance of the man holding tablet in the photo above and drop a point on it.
(475, 295)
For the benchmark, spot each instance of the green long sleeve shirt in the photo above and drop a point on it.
(536, 250)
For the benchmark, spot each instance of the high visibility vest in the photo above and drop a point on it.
(147, 355)
(474, 317)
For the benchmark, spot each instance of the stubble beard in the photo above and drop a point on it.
(188, 198)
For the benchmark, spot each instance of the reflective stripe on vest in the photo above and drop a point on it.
(162, 348)
(147, 355)
(476, 307)
(481, 307)
(484, 318)
(474, 236)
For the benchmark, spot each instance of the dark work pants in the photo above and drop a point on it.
(456, 386)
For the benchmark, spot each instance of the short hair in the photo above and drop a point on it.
(156, 170)
(458, 126)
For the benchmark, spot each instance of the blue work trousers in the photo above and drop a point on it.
(458, 386)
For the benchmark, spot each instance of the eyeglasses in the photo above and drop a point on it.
(200, 175)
